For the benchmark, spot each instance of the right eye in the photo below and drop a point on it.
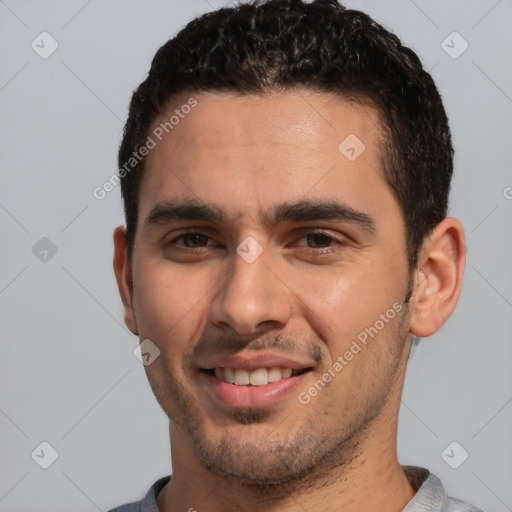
(193, 240)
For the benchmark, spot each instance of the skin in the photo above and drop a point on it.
(316, 285)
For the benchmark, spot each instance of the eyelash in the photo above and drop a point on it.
(190, 233)
(334, 243)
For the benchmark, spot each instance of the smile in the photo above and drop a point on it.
(256, 387)
(257, 377)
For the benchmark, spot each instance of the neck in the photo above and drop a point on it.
(372, 479)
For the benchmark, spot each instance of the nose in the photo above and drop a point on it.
(251, 299)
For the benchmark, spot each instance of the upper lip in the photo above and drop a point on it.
(253, 362)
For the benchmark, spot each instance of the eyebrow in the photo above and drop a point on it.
(304, 211)
(301, 211)
(167, 211)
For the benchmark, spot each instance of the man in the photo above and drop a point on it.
(285, 170)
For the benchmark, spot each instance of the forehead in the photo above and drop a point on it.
(300, 117)
(248, 151)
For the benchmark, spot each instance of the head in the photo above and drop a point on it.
(285, 44)
(292, 214)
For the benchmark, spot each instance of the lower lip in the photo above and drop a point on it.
(251, 397)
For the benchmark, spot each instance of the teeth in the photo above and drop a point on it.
(258, 377)
(286, 372)
(241, 377)
(274, 374)
(229, 375)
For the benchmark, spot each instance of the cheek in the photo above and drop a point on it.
(171, 303)
(340, 305)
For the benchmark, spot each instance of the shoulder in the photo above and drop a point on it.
(148, 503)
(430, 494)
(455, 505)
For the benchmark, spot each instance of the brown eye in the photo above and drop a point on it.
(194, 240)
(318, 240)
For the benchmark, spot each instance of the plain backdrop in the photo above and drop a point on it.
(68, 375)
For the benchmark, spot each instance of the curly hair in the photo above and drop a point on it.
(278, 45)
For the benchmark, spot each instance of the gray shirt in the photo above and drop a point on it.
(430, 495)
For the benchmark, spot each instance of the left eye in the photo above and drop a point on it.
(319, 240)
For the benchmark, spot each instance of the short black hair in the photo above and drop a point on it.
(279, 45)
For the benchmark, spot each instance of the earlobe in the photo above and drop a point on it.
(438, 278)
(124, 279)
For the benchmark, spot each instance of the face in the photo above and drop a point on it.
(270, 270)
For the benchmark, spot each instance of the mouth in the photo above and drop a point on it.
(255, 386)
(257, 377)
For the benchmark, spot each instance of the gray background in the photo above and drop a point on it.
(68, 375)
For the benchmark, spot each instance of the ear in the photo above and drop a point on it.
(124, 278)
(438, 278)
